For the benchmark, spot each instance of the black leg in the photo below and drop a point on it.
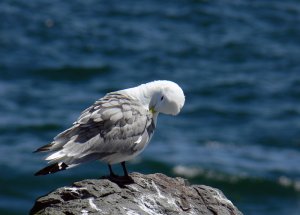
(120, 180)
(111, 173)
(124, 169)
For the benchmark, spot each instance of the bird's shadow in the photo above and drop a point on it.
(121, 181)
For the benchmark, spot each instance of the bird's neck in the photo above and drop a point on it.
(144, 93)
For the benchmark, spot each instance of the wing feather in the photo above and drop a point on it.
(115, 124)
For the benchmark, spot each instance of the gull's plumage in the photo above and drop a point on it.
(115, 128)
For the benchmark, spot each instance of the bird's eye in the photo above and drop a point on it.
(161, 98)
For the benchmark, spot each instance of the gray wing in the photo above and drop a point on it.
(114, 124)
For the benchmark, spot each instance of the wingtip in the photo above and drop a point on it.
(41, 172)
(39, 150)
(38, 173)
(35, 151)
(43, 148)
(53, 168)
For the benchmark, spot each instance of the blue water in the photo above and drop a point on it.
(237, 61)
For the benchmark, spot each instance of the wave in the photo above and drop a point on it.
(263, 185)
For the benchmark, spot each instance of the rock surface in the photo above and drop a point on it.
(154, 194)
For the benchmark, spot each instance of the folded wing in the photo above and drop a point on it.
(115, 126)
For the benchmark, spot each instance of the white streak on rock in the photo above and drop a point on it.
(75, 189)
(157, 190)
(84, 212)
(147, 204)
(151, 203)
(130, 212)
(93, 206)
(169, 199)
(220, 198)
(133, 187)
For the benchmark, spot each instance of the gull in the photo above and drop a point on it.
(115, 129)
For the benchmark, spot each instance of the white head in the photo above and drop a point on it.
(165, 97)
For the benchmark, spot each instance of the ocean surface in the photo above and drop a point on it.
(238, 62)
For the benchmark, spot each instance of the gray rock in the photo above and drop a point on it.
(154, 194)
